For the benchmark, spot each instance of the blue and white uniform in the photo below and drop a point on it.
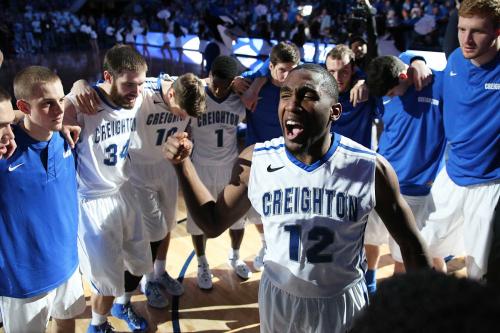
(110, 233)
(153, 178)
(413, 142)
(38, 234)
(466, 192)
(314, 218)
(215, 146)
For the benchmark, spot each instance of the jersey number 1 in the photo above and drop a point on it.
(314, 254)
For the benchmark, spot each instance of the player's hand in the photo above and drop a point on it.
(86, 98)
(420, 74)
(72, 134)
(177, 148)
(240, 85)
(11, 148)
(358, 93)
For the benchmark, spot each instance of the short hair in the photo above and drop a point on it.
(428, 301)
(190, 94)
(327, 82)
(4, 95)
(342, 52)
(28, 78)
(284, 52)
(485, 8)
(122, 58)
(224, 67)
(382, 74)
(357, 38)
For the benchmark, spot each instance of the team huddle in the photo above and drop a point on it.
(100, 169)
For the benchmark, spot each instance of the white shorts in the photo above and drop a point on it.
(32, 314)
(282, 312)
(376, 233)
(461, 221)
(156, 190)
(111, 240)
(214, 178)
(253, 217)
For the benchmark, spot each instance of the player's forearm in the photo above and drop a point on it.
(415, 255)
(199, 201)
(408, 237)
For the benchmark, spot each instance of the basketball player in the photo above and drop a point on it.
(357, 117)
(314, 191)
(169, 103)
(38, 224)
(113, 250)
(467, 190)
(7, 142)
(263, 123)
(412, 141)
(216, 150)
(167, 106)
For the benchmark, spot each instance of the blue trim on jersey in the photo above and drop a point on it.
(321, 161)
(270, 148)
(104, 99)
(215, 98)
(356, 150)
(158, 82)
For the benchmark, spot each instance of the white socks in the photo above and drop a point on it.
(124, 299)
(202, 260)
(98, 319)
(159, 267)
(234, 254)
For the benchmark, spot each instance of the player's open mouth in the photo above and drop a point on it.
(293, 129)
(3, 149)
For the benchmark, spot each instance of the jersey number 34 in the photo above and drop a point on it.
(111, 153)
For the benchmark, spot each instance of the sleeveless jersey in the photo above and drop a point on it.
(155, 123)
(103, 149)
(314, 216)
(214, 132)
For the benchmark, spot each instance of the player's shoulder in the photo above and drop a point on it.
(271, 146)
(351, 147)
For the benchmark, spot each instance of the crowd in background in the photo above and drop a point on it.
(34, 27)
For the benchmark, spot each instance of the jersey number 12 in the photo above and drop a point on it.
(315, 253)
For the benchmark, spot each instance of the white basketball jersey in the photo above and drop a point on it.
(155, 123)
(214, 132)
(314, 216)
(103, 149)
